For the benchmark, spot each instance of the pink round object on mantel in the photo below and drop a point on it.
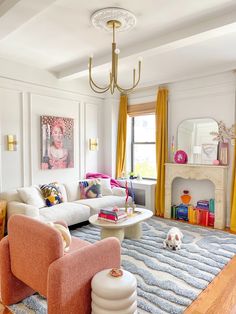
(216, 162)
(181, 157)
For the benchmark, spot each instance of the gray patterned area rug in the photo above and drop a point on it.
(168, 281)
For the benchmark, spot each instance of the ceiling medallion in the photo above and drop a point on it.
(111, 19)
(100, 18)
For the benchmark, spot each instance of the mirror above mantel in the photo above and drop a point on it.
(193, 137)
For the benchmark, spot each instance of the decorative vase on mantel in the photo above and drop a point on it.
(223, 153)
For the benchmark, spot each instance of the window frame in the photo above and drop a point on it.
(137, 143)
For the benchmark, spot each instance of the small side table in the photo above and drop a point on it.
(3, 210)
(114, 294)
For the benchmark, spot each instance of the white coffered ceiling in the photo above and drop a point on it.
(177, 39)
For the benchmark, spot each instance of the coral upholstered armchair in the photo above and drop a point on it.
(32, 259)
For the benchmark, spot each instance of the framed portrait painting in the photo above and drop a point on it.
(57, 142)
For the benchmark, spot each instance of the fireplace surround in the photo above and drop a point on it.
(216, 174)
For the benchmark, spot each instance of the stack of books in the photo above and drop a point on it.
(203, 214)
(112, 215)
(203, 204)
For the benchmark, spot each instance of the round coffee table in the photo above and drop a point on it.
(129, 228)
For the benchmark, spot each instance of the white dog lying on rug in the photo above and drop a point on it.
(173, 239)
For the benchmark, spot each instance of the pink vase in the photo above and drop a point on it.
(223, 153)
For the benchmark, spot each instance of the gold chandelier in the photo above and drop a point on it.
(113, 77)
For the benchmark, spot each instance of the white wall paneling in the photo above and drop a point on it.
(91, 131)
(11, 113)
(21, 105)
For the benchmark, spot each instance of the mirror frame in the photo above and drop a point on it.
(195, 118)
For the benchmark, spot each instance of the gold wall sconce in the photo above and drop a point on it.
(93, 144)
(11, 142)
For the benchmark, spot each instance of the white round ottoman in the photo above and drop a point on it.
(114, 295)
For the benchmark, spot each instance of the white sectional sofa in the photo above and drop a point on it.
(73, 210)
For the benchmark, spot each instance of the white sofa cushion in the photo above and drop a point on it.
(32, 196)
(14, 207)
(71, 213)
(72, 191)
(10, 196)
(106, 186)
(63, 192)
(118, 191)
(106, 201)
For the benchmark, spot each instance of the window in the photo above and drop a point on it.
(143, 146)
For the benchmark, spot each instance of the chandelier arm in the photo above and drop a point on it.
(91, 79)
(98, 91)
(127, 90)
(98, 87)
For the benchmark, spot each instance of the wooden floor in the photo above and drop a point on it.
(220, 296)
(4, 310)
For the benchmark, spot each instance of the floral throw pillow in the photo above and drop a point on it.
(51, 193)
(90, 189)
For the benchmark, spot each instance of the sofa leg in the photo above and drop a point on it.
(12, 289)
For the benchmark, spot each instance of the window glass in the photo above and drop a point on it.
(143, 146)
(144, 160)
(144, 128)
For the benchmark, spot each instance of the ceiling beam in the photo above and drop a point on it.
(198, 32)
(15, 13)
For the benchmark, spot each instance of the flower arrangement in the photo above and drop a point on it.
(224, 134)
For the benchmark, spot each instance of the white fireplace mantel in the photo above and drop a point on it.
(216, 174)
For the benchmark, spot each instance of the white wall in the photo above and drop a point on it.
(23, 99)
(212, 96)
(109, 119)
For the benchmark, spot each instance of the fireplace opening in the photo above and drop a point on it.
(198, 190)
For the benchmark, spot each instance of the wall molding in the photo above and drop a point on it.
(51, 87)
(22, 133)
(31, 170)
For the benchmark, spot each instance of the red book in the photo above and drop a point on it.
(107, 216)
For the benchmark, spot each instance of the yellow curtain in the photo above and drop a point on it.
(161, 148)
(121, 136)
(233, 195)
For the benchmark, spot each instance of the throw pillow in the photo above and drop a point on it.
(118, 191)
(65, 234)
(90, 189)
(32, 196)
(51, 193)
(106, 186)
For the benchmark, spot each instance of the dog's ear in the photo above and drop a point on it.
(177, 237)
(169, 237)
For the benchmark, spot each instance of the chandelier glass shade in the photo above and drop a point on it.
(113, 76)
